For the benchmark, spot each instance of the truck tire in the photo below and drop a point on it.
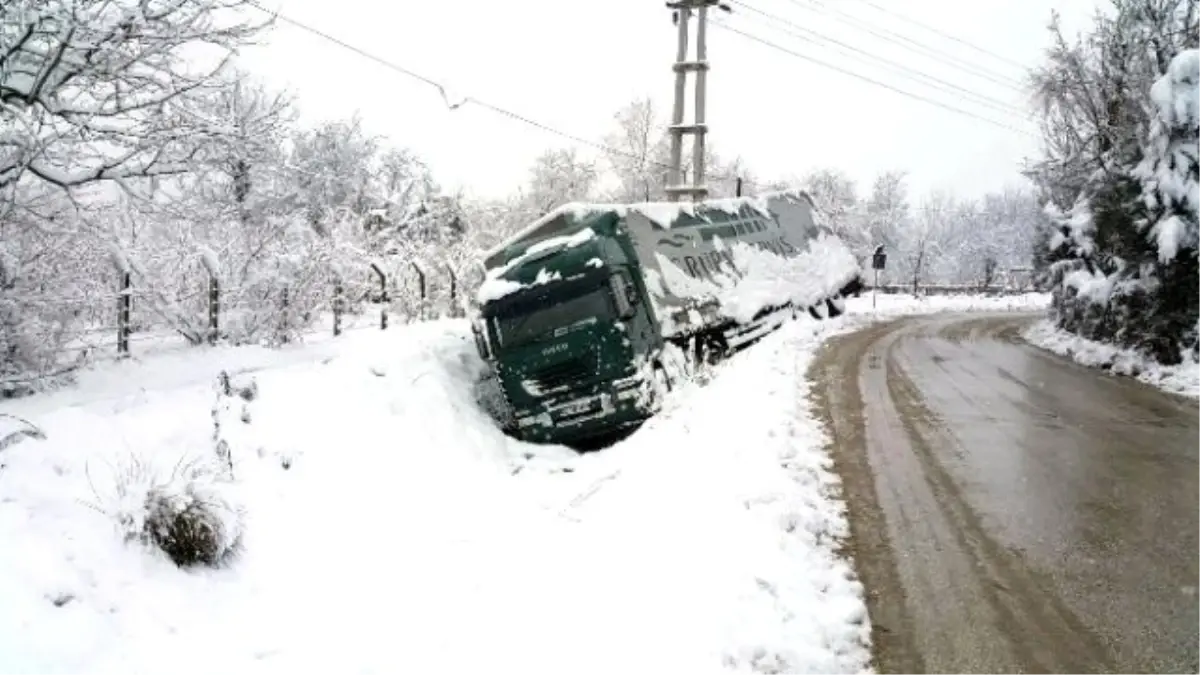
(660, 387)
(711, 348)
(836, 306)
(661, 376)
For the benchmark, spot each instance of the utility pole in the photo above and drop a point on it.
(682, 13)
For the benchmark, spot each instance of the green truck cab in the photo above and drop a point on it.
(585, 316)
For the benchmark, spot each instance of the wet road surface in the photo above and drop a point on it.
(1012, 511)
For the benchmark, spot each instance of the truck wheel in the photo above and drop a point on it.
(836, 306)
(661, 377)
(660, 386)
(716, 349)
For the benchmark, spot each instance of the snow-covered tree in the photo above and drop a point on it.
(886, 212)
(836, 196)
(95, 96)
(1169, 171)
(1104, 181)
(1169, 174)
(920, 239)
(558, 177)
(226, 218)
(640, 152)
(98, 90)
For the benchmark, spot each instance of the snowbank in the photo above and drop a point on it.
(887, 304)
(406, 533)
(1181, 379)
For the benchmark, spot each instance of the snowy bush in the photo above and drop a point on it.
(188, 512)
(1123, 258)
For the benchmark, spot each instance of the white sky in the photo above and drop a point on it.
(571, 66)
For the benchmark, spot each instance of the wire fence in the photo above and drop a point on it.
(114, 325)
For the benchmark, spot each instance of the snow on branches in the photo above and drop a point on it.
(96, 90)
(1170, 170)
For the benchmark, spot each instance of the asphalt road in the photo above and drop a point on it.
(1012, 511)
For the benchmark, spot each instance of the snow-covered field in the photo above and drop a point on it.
(1183, 378)
(408, 534)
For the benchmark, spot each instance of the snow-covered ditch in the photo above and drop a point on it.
(1183, 378)
(408, 534)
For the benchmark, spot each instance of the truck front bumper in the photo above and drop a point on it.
(613, 407)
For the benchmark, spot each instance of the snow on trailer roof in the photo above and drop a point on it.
(663, 214)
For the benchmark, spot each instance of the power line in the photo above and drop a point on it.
(454, 105)
(871, 80)
(913, 73)
(913, 45)
(945, 34)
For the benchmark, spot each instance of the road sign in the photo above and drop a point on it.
(878, 262)
(879, 259)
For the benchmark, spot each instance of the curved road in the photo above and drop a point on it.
(1012, 511)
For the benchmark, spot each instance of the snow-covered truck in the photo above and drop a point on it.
(588, 316)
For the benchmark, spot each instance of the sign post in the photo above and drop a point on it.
(878, 262)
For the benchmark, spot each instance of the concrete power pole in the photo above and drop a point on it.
(675, 184)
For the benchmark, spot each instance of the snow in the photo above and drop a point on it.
(570, 241)
(769, 280)
(494, 288)
(409, 534)
(663, 214)
(1094, 286)
(1080, 228)
(889, 305)
(1170, 232)
(1176, 93)
(212, 264)
(1170, 184)
(119, 259)
(382, 521)
(1183, 378)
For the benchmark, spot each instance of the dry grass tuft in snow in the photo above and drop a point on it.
(14, 429)
(187, 511)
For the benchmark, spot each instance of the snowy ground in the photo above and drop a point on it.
(1181, 379)
(887, 304)
(410, 535)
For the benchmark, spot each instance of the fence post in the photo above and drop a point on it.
(284, 312)
(383, 296)
(453, 292)
(337, 308)
(420, 287)
(214, 309)
(124, 309)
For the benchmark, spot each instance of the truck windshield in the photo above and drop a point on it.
(527, 322)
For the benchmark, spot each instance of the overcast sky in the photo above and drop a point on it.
(571, 65)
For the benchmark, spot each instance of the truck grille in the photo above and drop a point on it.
(559, 375)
